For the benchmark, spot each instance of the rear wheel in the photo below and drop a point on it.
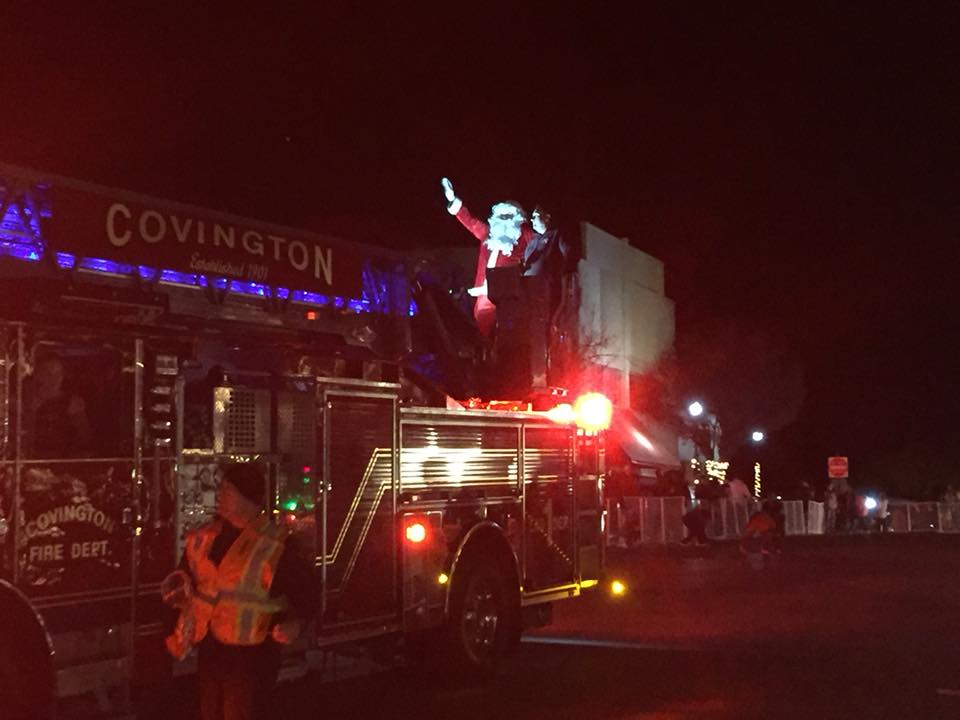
(484, 618)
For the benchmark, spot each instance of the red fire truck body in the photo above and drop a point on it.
(143, 343)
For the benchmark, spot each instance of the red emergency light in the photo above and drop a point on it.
(593, 412)
(415, 532)
(562, 414)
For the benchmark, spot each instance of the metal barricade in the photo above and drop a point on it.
(613, 534)
(623, 522)
(672, 509)
(652, 525)
(717, 525)
(728, 517)
(924, 517)
(633, 521)
(899, 517)
(816, 515)
(949, 517)
(645, 520)
(793, 520)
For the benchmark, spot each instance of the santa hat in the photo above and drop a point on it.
(505, 206)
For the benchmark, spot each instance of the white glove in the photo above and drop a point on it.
(453, 202)
(448, 189)
(536, 221)
(478, 291)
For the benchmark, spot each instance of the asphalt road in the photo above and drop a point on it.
(852, 627)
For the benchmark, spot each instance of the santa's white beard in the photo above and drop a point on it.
(503, 236)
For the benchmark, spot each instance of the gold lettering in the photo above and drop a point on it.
(181, 230)
(115, 239)
(228, 236)
(252, 242)
(45, 553)
(298, 255)
(323, 264)
(158, 221)
(276, 245)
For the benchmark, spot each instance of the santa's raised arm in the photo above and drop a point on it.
(503, 239)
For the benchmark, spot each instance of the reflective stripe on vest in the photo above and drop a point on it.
(241, 609)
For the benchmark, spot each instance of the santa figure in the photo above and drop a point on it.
(503, 240)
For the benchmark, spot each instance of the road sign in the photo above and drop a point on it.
(837, 467)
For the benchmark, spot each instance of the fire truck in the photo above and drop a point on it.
(144, 343)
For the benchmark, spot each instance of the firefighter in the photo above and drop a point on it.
(243, 591)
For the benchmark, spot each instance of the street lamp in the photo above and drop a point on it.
(757, 436)
(707, 420)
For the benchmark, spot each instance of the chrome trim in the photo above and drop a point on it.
(560, 592)
(347, 393)
(137, 503)
(150, 630)
(116, 593)
(522, 476)
(345, 636)
(325, 408)
(532, 417)
(77, 461)
(18, 462)
(354, 382)
(8, 368)
(395, 485)
(427, 505)
(444, 420)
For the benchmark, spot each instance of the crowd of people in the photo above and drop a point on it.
(845, 510)
(763, 530)
(850, 511)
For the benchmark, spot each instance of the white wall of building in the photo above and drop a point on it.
(623, 306)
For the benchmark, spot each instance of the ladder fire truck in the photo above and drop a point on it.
(144, 342)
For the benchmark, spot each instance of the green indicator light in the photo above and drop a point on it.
(290, 505)
(306, 480)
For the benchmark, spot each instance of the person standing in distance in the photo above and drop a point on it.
(243, 591)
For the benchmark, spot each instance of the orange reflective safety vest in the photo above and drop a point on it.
(233, 600)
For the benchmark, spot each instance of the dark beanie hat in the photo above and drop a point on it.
(248, 479)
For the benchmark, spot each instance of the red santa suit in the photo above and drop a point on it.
(484, 311)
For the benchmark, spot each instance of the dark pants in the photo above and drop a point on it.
(696, 526)
(235, 682)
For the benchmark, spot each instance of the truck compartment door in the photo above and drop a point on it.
(359, 539)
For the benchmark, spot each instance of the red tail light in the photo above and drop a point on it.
(415, 532)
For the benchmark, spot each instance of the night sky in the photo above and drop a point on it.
(796, 169)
